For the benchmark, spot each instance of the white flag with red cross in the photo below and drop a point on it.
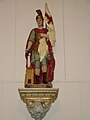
(50, 25)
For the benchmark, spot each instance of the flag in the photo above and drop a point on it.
(50, 25)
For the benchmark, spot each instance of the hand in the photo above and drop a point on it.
(26, 51)
(43, 35)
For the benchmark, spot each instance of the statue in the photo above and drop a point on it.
(39, 47)
(40, 74)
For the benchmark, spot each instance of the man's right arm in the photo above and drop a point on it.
(31, 39)
(29, 46)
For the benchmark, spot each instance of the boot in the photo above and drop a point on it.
(44, 78)
(36, 79)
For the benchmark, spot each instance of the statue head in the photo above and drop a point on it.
(39, 18)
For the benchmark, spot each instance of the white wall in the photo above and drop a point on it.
(72, 53)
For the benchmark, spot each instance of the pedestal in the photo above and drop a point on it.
(38, 100)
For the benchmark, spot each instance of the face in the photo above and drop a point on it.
(39, 22)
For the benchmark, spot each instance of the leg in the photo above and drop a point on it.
(44, 70)
(37, 72)
(37, 67)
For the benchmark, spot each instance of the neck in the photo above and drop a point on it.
(40, 27)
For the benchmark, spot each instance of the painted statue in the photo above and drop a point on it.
(39, 47)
